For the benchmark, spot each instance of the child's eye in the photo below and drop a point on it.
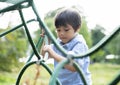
(58, 30)
(67, 30)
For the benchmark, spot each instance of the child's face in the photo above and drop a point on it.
(65, 33)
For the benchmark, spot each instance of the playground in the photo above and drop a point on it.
(44, 73)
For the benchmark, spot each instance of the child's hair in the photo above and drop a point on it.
(67, 16)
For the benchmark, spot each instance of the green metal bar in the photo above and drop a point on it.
(47, 31)
(22, 71)
(89, 52)
(116, 80)
(61, 65)
(17, 27)
(99, 45)
(31, 63)
(50, 72)
(12, 1)
(56, 71)
(29, 36)
(14, 7)
(38, 45)
(103, 42)
(79, 70)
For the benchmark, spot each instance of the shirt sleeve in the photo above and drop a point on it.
(81, 48)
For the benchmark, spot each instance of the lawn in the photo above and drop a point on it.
(102, 74)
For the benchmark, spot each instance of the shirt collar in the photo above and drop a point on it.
(70, 44)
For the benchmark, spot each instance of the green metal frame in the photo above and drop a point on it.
(19, 5)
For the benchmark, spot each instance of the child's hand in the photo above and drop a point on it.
(49, 50)
(46, 48)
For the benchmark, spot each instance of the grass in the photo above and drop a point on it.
(7, 78)
(102, 74)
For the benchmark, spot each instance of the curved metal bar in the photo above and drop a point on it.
(50, 72)
(56, 70)
(47, 31)
(38, 45)
(79, 70)
(22, 71)
(60, 66)
(103, 42)
(17, 27)
(14, 7)
(116, 80)
(12, 1)
(29, 36)
(31, 63)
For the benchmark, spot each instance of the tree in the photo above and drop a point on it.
(97, 35)
(12, 47)
(84, 30)
(114, 43)
(113, 47)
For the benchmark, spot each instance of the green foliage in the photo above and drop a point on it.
(111, 48)
(13, 46)
(97, 34)
(114, 43)
(7, 78)
(85, 32)
(98, 56)
(50, 23)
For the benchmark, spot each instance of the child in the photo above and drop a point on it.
(67, 23)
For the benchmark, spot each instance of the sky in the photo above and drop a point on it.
(103, 12)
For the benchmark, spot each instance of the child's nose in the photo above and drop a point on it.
(62, 33)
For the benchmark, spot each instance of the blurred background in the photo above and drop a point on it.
(99, 19)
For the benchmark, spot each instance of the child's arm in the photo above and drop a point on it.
(57, 57)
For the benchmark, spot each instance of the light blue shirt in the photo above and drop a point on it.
(78, 46)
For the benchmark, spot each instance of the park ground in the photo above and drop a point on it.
(102, 74)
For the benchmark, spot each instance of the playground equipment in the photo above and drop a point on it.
(19, 5)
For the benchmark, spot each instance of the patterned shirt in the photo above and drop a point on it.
(78, 46)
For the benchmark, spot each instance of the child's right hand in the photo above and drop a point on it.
(46, 49)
